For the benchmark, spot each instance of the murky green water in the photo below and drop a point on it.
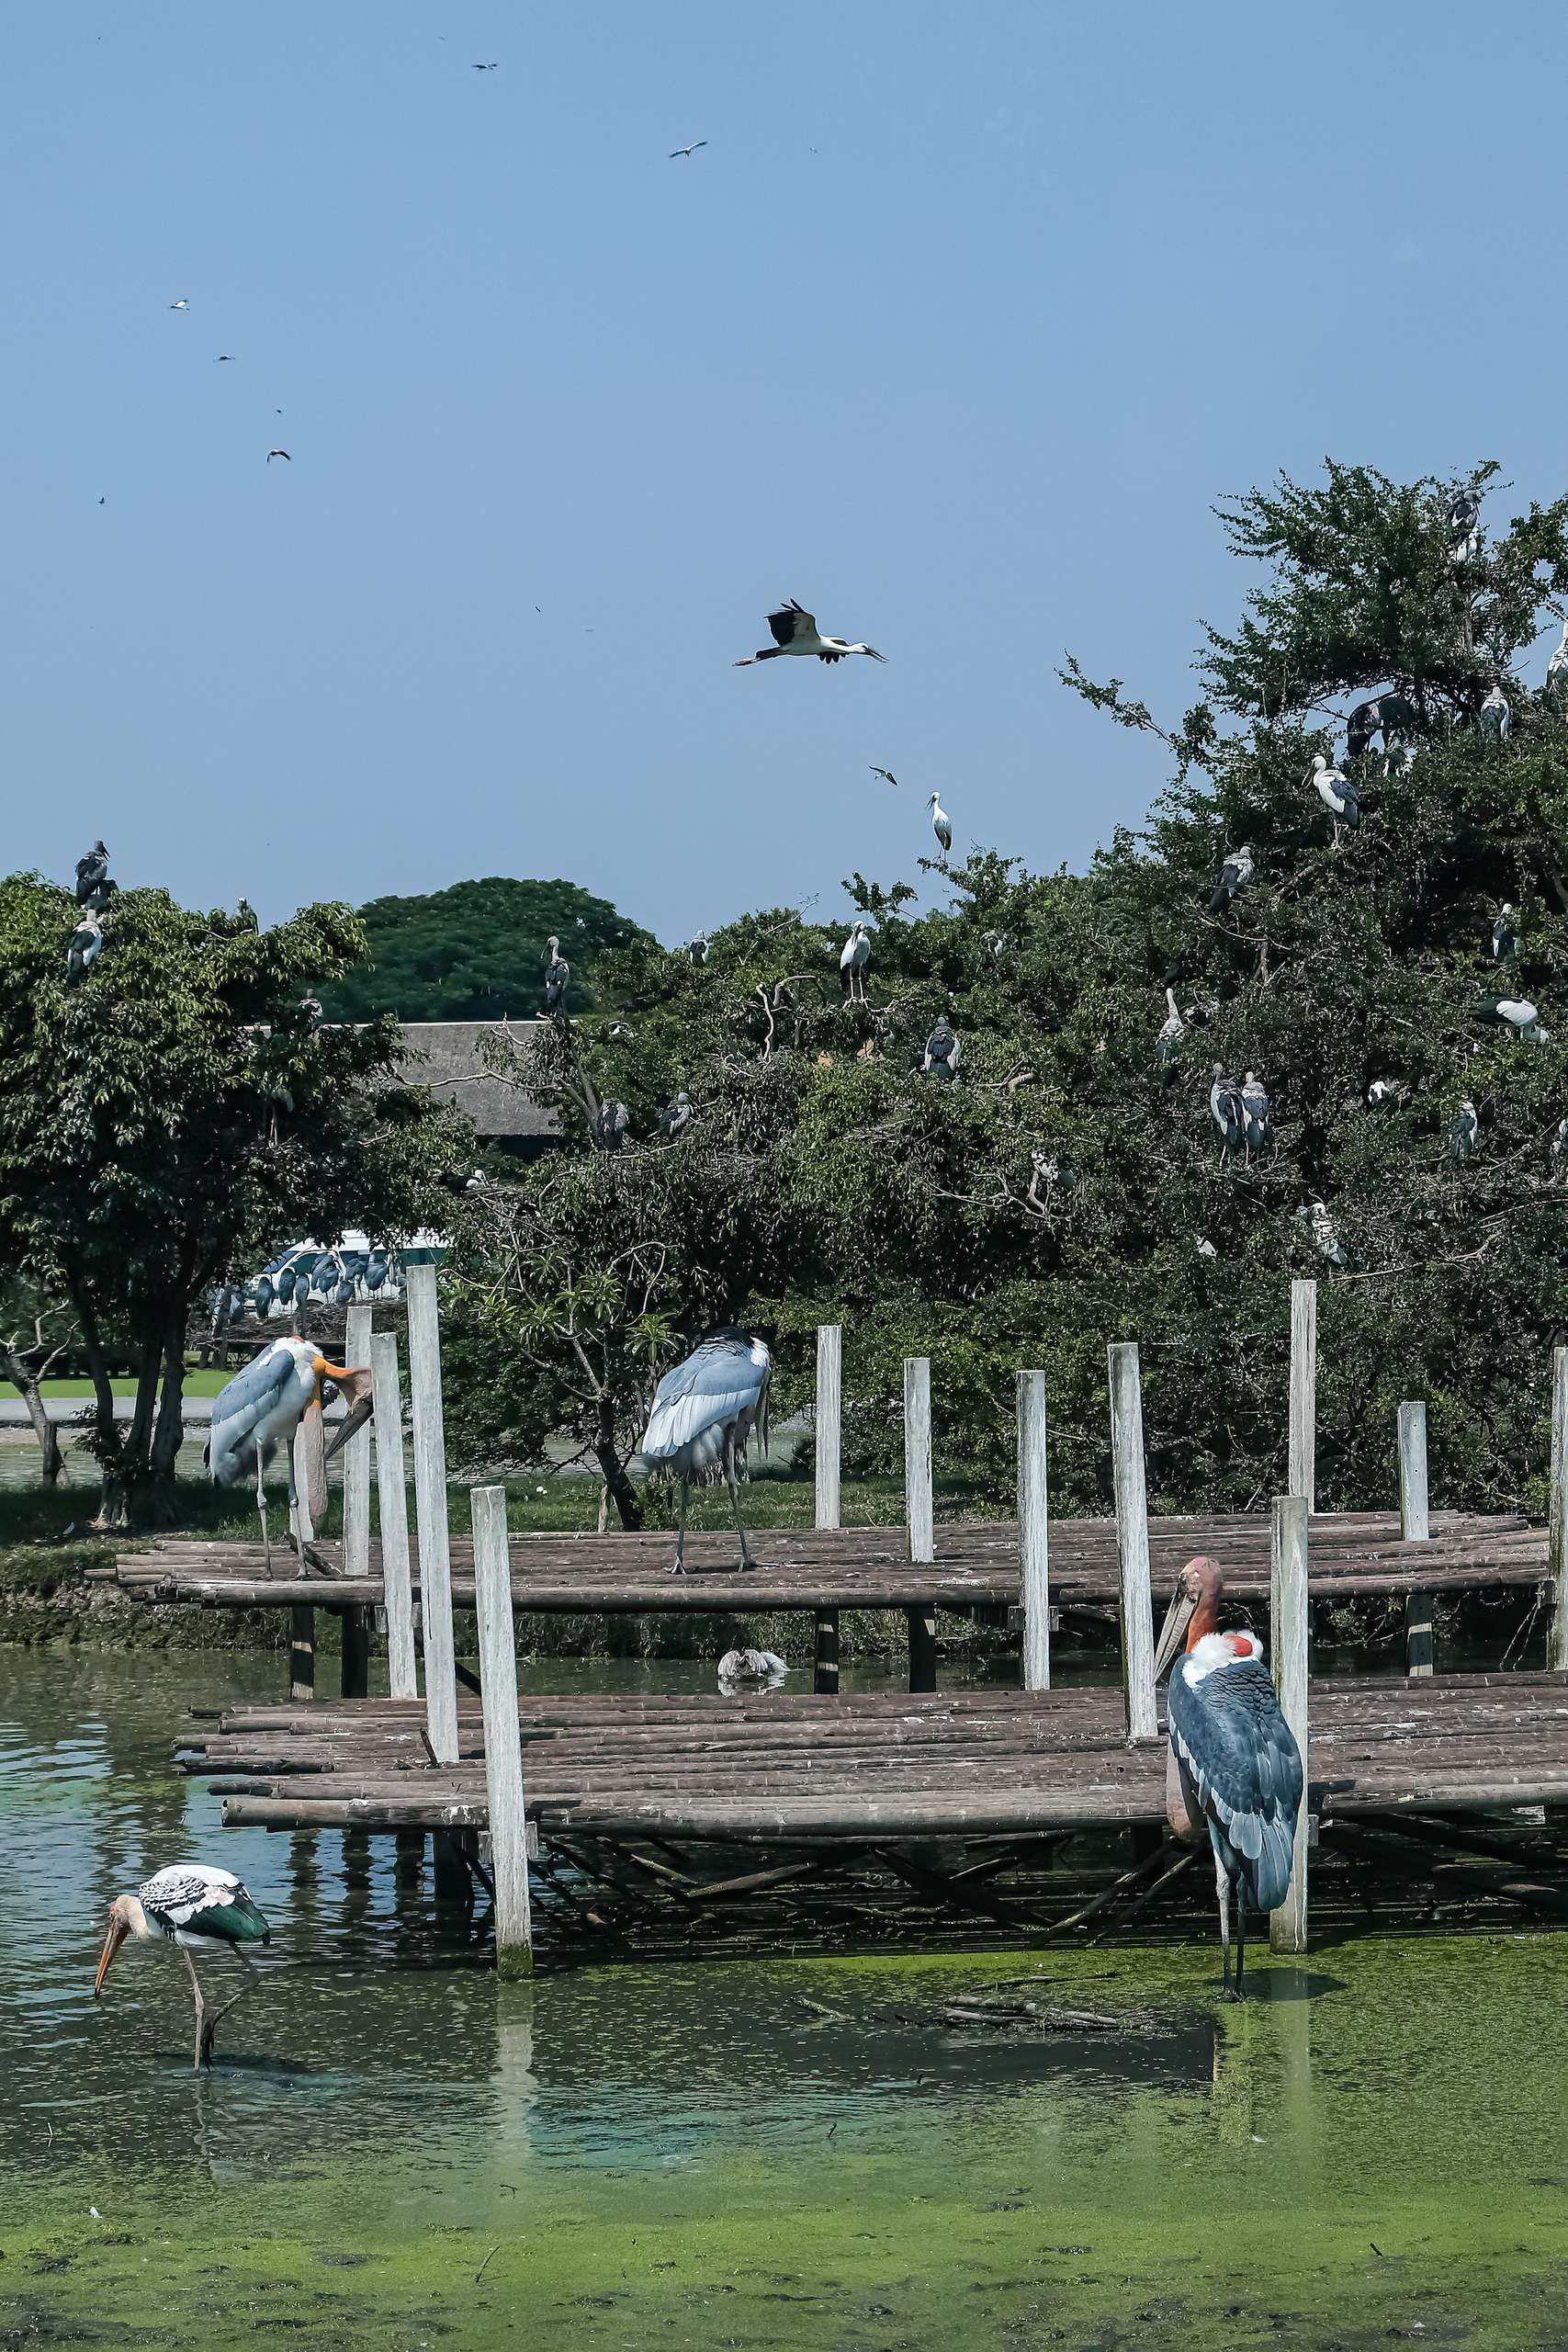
(396, 2153)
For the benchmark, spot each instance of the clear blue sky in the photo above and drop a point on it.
(954, 330)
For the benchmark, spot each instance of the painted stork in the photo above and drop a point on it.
(1515, 1012)
(558, 973)
(197, 1908)
(852, 961)
(1494, 715)
(84, 947)
(1172, 1030)
(944, 1055)
(1339, 796)
(1235, 875)
(261, 1409)
(763, 1668)
(1557, 669)
(1234, 1768)
(92, 873)
(1464, 1131)
(1227, 1110)
(795, 631)
(942, 826)
(1504, 938)
(704, 1412)
(1257, 1116)
(676, 1117)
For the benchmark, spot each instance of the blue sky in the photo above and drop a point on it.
(956, 329)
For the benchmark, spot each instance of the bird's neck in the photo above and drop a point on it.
(1205, 1619)
(136, 1920)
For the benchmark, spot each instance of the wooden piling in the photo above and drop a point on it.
(1557, 1544)
(356, 1517)
(503, 1746)
(392, 1493)
(1414, 1526)
(1304, 1392)
(1033, 1540)
(917, 1504)
(302, 1618)
(1288, 1598)
(825, 1662)
(921, 1623)
(1132, 1542)
(830, 1397)
(430, 1500)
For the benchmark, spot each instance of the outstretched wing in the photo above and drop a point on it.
(238, 1408)
(715, 1382)
(201, 1901)
(1242, 1754)
(791, 621)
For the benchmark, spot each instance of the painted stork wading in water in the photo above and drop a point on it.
(795, 631)
(703, 1413)
(261, 1409)
(1234, 1768)
(197, 1908)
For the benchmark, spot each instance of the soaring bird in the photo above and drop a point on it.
(223, 359)
(489, 68)
(1172, 1030)
(92, 873)
(887, 775)
(691, 149)
(279, 453)
(197, 1908)
(1235, 875)
(676, 1117)
(261, 1409)
(763, 1668)
(1227, 1110)
(1504, 938)
(1515, 1012)
(1234, 1768)
(795, 631)
(704, 1412)
(1557, 669)
(84, 946)
(1338, 793)
(181, 305)
(944, 1055)
(1463, 1131)
(852, 963)
(558, 973)
(942, 826)
(1257, 1116)
(1494, 715)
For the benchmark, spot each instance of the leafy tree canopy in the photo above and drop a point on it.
(477, 952)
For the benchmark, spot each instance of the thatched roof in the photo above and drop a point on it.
(444, 1055)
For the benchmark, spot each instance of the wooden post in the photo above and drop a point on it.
(829, 1392)
(917, 1504)
(1132, 1542)
(1304, 1392)
(921, 1622)
(1288, 1600)
(1414, 1527)
(504, 1745)
(302, 1618)
(825, 1666)
(397, 1582)
(355, 1622)
(1033, 1542)
(356, 1517)
(1557, 1549)
(430, 1500)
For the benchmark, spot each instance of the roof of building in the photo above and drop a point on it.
(447, 1056)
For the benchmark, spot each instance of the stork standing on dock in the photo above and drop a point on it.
(704, 1412)
(260, 1410)
(197, 1908)
(1234, 1768)
(795, 631)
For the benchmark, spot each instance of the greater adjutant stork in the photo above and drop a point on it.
(197, 1908)
(261, 1409)
(1234, 1768)
(704, 1412)
(795, 631)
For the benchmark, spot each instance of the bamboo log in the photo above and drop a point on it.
(430, 1495)
(391, 1490)
(503, 1748)
(1414, 1526)
(1132, 1542)
(1033, 1537)
(1304, 1392)
(829, 1388)
(1288, 1925)
(918, 1500)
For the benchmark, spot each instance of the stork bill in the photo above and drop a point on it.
(795, 631)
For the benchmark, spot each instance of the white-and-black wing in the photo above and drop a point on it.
(792, 620)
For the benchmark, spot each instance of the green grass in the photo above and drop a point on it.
(197, 1383)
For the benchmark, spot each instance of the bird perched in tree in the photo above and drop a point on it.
(1559, 1145)
(996, 941)
(852, 963)
(196, 1908)
(1516, 1012)
(1557, 669)
(611, 1124)
(1257, 1114)
(763, 1668)
(795, 631)
(697, 948)
(675, 153)
(261, 1409)
(887, 775)
(1234, 1767)
(1504, 938)
(1393, 716)
(676, 1117)
(1339, 796)
(1463, 1131)
(279, 453)
(944, 1054)
(703, 1413)
(84, 946)
(1227, 1110)
(1384, 1092)
(92, 873)
(942, 826)
(1235, 875)
(557, 974)
(1204, 1248)
(1172, 1030)
(1462, 517)
(1324, 1233)
(1492, 717)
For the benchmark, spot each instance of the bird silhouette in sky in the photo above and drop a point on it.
(888, 774)
(489, 68)
(691, 149)
(181, 305)
(221, 358)
(277, 453)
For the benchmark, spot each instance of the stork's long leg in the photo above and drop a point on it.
(1240, 1934)
(261, 1505)
(679, 1568)
(1222, 1890)
(746, 1560)
(201, 2036)
(252, 1978)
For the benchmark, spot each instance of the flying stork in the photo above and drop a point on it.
(886, 774)
(795, 631)
(558, 972)
(705, 1410)
(1234, 1768)
(852, 963)
(1235, 875)
(944, 1054)
(261, 1409)
(196, 1908)
(1338, 793)
(942, 826)
(676, 152)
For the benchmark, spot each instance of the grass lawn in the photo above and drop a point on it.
(197, 1383)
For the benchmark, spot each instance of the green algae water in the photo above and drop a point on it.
(393, 2151)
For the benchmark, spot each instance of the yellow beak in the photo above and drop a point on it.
(112, 1942)
(1173, 1632)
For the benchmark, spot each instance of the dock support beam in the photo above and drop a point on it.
(301, 1652)
(302, 1617)
(356, 1517)
(392, 1503)
(1133, 1542)
(829, 1396)
(1414, 1526)
(430, 1497)
(825, 1664)
(918, 1505)
(1304, 1392)
(1033, 1540)
(1556, 1554)
(503, 1744)
(921, 1623)
(1288, 1596)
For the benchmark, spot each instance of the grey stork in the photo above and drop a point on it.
(610, 1126)
(852, 963)
(1493, 719)
(1338, 793)
(697, 948)
(944, 1055)
(1515, 1012)
(1463, 516)
(1504, 938)
(558, 973)
(764, 1669)
(1464, 1131)
(942, 826)
(1393, 716)
(1557, 669)
(1227, 1110)
(676, 1117)
(376, 1270)
(1172, 1030)
(1325, 1234)
(92, 873)
(1234, 1768)
(261, 1409)
(196, 1908)
(704, 1412)
(887, 774)
(1235, 875)
(84, 946)
(795, 631)
(1257, 1116)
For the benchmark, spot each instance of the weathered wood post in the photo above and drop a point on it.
(503, 1743)
(1033, 1543)
(430, 1503)
(825, 1658)
(829, 1394)
(1415, 1528)
(1132, 1542)
(1557, 1546)
(392, 1495)
(918, 1505)
(1288, 1600)
(356, 1619)
(1304, 1392)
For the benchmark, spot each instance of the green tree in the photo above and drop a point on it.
(476, 951)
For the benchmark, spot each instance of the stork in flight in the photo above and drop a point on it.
(277, 453)
(197, 1908)
(887, 775)
(677, 151)
(795, 631)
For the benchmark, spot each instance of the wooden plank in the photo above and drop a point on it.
(1304, 1392)
(1132, 1542)
(504, 1747)
(829, 1400)
(918, 1503)
(430, 1500)
(825, 1662)
(1557, 1539)
(1414, 1526)
(1288, 1925)
(391, 1492)
(1033, 1540)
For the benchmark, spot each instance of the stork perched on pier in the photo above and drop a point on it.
(795, 631)
(1234, 1768)
(196, 1908)
(261, 1409)
(704, 1412)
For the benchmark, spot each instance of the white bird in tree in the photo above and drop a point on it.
(1384, 1092)
(852, 963)
(263, 1406)
(196, 1908)
(703, 1413)
(1172, 1030)
(1515, 1012)
(1227, 1110)
(944, 1057)
(942, 826)
(558, 973)
(1338, 793)
(1464, 516)
(1557, 669)
(1257, 1116)
(1325, 1234)
(1494, 718)
(795, 631)
(84, 946)
(677, 151)
(1464, 1131)
(1504, 938)
(1235, 875)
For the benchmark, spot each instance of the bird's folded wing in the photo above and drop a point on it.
(675, 1421)
(251, 1395)
(1240, 1750)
